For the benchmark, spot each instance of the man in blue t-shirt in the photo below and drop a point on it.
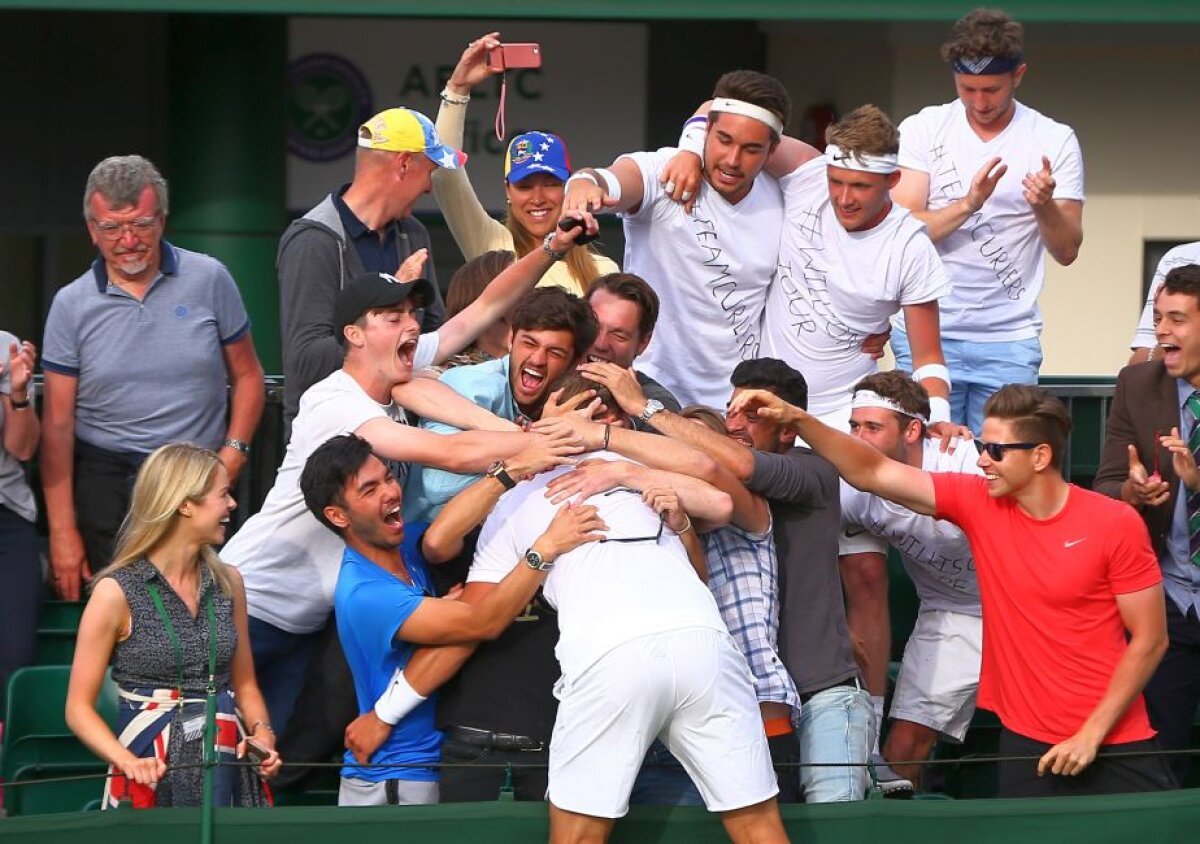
(384, 605)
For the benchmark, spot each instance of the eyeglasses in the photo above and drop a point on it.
(662, 518)
(114, 231)
(996, 450)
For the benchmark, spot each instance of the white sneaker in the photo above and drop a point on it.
(890, 783)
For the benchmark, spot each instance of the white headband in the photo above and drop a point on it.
(870, 398)
(861, 161)
(750, 110)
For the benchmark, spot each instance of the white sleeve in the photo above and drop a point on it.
(335, 411)
(923, 276)
(1067, 169)
(1143, 335)
(649, 164)
(804, 186)
(914, 143)
(496, 552)
(427, 349)
(852, 500)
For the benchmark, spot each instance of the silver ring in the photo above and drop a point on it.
(669, 187)
(686, 195)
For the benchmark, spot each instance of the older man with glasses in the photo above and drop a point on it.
(139, 351)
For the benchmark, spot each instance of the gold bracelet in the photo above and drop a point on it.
(687, 527)
(257, 724)
(607, 434)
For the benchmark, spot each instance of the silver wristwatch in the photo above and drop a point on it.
(536, 561)
(652, 407)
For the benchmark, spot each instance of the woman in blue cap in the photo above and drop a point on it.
(536, 167)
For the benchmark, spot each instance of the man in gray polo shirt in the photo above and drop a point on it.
(138, 352)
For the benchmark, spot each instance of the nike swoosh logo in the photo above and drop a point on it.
(1073, 543)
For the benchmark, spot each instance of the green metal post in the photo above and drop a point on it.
(226, 153)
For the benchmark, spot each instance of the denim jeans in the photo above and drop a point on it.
(836, 725)
(977, 370)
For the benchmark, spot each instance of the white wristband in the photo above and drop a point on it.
(574, 177)
(692, 138)
(399, 699)
(939, 410)
(611, 183)
(932, 370)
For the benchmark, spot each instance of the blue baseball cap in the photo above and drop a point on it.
(536, 152)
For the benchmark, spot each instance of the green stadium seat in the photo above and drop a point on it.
(37, 743)
(55, 646)
(39, 797)
(61, 615)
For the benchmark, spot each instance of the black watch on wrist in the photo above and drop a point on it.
(500, 472)
(535, 560)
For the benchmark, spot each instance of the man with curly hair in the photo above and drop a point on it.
(990, 226)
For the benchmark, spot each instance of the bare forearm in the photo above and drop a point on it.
(21, 431)
(697, 498)
(498, 609)
(58, 455)
(443, 540)
(94, 732)
(431, 399)
(667, 453)
(733, 456)
(1061, 232)
(943, 222)
(247, 399)
(431, 667)
(472, 452)
(1133, 671)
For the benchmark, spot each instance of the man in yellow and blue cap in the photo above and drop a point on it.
(362, 227)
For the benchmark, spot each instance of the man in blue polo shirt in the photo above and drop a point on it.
(138, 352)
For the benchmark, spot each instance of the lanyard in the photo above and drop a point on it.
(156, 596)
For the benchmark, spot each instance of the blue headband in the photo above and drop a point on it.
(987, 65)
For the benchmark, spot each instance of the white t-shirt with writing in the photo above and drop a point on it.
(288, 559)
(1179, 256)
(834, 287)
(936, 553)
(606, 593)
(996, 259)
(711, 270)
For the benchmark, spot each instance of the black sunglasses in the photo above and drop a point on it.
(996, 450)
(662, 517)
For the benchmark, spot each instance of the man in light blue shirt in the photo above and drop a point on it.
(551, 331)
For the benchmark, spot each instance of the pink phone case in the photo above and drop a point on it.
(510, 56)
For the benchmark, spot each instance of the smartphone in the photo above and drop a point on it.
(508, 56)
(255, 752)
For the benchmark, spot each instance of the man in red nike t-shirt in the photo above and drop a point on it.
(1073, 612)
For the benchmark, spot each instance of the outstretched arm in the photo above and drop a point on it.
(862, 465)
(504, 291)
(589, 190)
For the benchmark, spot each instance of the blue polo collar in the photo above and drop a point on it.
(168, 265)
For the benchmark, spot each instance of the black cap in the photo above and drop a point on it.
(376, 290)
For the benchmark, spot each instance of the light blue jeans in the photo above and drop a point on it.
(977, 370)
(836, 725)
